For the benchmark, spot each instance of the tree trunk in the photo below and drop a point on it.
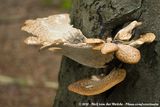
(96, 18)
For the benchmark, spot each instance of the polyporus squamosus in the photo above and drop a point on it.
(57, 35)
(96, 86)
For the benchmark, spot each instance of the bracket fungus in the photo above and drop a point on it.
(97, 44)
(109, 48)
(91, 86)
(126, 33)
(56, 34)
(128, 54)
(145, 38)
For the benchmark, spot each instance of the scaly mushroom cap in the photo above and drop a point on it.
(126, 33)
(90, 87)
(109, 48)
(97, 44)
(146, 38)
(128, 54)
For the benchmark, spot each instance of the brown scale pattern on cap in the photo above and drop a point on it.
(145, 38)
(90, 87)
(148, 37)
(109, 48)
(128, 54)
(97, 44)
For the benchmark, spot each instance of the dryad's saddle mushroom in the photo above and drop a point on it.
(57, 35)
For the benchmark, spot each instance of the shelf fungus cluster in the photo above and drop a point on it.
(56, 34)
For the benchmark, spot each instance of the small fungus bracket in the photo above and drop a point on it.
(91, 86)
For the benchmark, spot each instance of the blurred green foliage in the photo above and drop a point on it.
(64, 4)
(67, 4)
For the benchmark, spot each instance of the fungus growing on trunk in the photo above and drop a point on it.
(57, 35)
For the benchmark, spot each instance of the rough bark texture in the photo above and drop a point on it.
(97, 18)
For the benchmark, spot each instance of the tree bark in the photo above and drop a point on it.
(97, 18)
